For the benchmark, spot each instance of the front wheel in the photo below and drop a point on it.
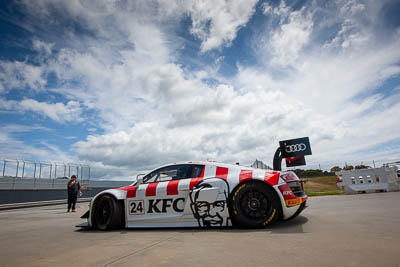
(108, 214)
(254, 205)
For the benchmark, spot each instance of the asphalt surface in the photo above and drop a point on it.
(357, 230)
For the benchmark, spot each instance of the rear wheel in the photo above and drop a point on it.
(254, 205)
(108, 214)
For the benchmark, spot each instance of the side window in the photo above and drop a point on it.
(174, 172)
(197, 170)
(161, 175)
(151, 177)
(167, 174)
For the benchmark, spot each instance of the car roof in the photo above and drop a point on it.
(206, 162)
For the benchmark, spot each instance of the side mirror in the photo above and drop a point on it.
(139, 180)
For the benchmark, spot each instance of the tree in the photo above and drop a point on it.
(362, 166)
(311, 173)
(348, 168)
(335, 169)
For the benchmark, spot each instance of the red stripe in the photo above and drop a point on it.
(288, 192)
(271, 178)
(245, 175)
(151, 190)
(172, 187)
(194, 181)
(125, 188)
(202, 172)
(222, 172)
(130, 191)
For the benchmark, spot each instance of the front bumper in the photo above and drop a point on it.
(86, 215)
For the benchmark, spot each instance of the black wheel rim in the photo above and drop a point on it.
(255, 205)
(103, 212)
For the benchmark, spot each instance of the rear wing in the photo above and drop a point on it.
(293, 151)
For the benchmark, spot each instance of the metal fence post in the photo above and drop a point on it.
(51, 168)
(4, 167)
(40, 170)
(34, 171)
(16, 173)
(23, 169)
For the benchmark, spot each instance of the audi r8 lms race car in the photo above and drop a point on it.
(200, 194)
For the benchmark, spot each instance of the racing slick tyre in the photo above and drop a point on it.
(254, 205)
(108, 214)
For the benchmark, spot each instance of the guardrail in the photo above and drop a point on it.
(27, 181)
(48, 174)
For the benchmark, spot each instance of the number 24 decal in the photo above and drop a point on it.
(136, 207)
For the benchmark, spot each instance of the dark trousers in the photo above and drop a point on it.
(72, 198)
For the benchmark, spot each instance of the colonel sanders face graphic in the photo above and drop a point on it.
(209, 203)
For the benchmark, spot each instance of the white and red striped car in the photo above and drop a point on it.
(200, 194)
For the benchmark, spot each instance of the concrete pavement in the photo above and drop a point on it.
(349, 230)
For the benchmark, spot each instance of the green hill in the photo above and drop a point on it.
(321, 186)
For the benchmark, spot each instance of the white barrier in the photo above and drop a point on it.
(382, 179)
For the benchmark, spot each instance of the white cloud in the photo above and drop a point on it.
(216, 23)
(19, 75)
(42, 46)
(219, 124)
(154, 110)
(352, 33)
(58, 112)
(16, 149)
(293, 33)
(338, 79)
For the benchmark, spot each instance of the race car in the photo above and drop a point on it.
(200, 194)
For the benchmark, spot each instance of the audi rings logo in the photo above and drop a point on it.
(295, 148)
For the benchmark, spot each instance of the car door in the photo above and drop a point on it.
(162, 198)
(208, 203)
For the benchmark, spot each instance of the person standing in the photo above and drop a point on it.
(74, 188)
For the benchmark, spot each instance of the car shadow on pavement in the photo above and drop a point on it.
(294, 226)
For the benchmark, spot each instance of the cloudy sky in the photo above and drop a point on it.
(127, 85)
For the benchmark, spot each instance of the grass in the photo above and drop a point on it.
(321, 186)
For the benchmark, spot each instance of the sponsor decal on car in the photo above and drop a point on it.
(210, 212)
(165, 205)
(290, 198)
(136, 207)
(293, 202)
(238, 190)
(270, 217)
(288, 193)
